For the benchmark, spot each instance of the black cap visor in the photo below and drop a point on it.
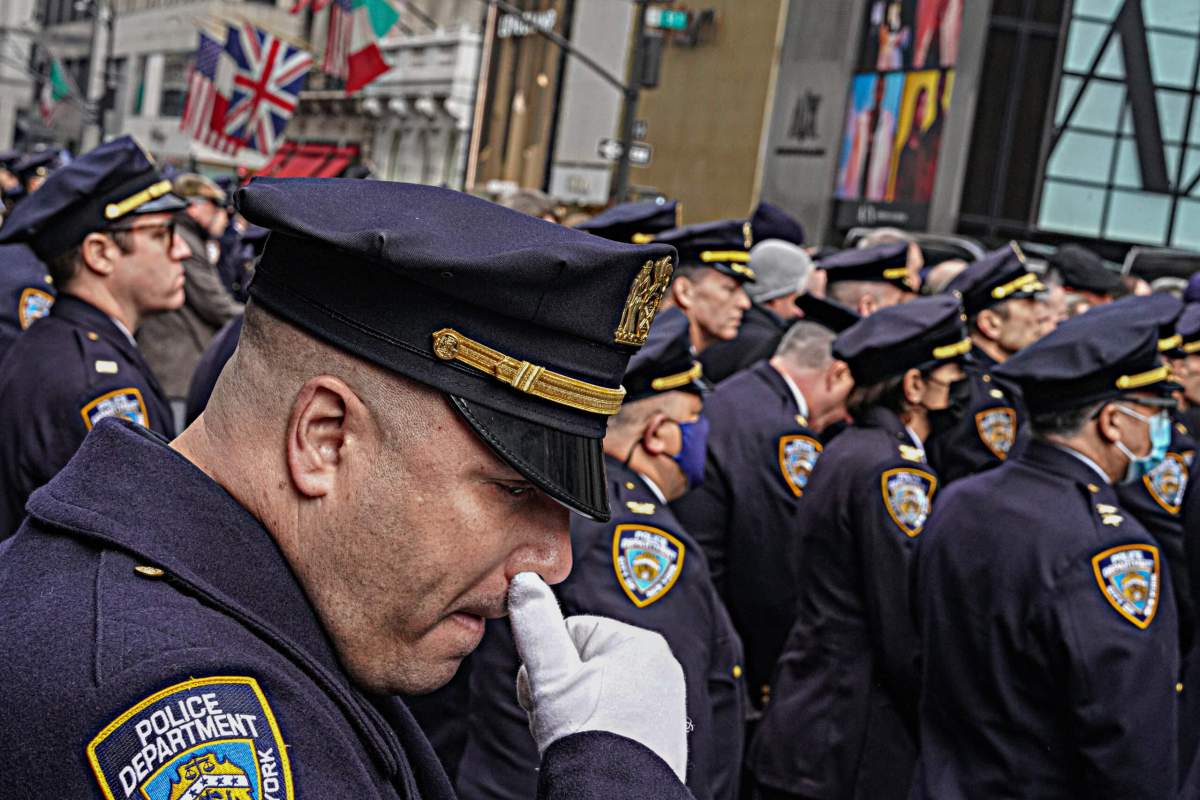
(168, 202)
(566, 466)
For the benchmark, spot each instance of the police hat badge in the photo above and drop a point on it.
(1128, 577)
(797, 456)
(1167, 482)
(997, 428)
(212, 737)
(647, 561)
(907, 495)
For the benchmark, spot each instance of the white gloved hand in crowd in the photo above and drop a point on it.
(595, 674)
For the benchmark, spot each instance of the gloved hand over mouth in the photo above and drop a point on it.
(595, 674)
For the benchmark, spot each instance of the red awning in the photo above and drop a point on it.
(294, 160)
(338, 161)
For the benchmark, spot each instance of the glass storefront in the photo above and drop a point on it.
(1123, 155)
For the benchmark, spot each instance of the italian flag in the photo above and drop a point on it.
(370, 21)
(54, 90)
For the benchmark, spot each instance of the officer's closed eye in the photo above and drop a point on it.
(515, 489)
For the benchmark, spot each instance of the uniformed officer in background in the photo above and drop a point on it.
(781, 272)
(1185, 362)
(32, 169)
(103, 226)
(1046, 611)
(641, 567)
(999, 295)
(841, 721)
(26, 292)
(709, 285)
(763, 444)
(1083, 277)
(636, 223)
(869, 278)
(238, 607)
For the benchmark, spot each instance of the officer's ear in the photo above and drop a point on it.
(654, 440)
(98, 253)
(913, 387)
(988, 323)
(325, 429)
(1108, 423)
(681, 291)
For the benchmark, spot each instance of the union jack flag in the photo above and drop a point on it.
(268, 77)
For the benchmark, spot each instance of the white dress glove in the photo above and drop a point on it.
(595, 674)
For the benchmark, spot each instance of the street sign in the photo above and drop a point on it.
(666, 19)
(639, 152)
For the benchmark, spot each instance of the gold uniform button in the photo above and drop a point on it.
(986, 378)
(148, 572)
(1093, 488)
(737, 671)
(1178, 688)
(629, 485)
(93, 336)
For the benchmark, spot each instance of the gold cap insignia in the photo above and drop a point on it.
(152, 192)
(748, 234)
(642, 304)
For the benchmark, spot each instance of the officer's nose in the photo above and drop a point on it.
(179, 248)
(546, 544)
(743, 299)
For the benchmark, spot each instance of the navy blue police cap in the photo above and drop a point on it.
(1161, 309)
(666, 362)
(38, 164)
(883, 263)
(1080, 268)
(93, 192)
(999, 276)
(1188, 328)
(526, 325)
(823, 311)
(772, 222)
(1097, 356)
(922, 334)
(634, 222)
(9, 158)
(723, 245)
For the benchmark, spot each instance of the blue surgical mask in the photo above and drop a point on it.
(690, 457)
(1160, 440)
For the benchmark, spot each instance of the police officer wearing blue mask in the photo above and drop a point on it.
(104, 227)
(840, 722)
(388, 460)
(1046, 610)
(640, 567)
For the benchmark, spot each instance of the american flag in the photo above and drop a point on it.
(337, 42)
(269, 75)
(317, 6)
(204, 112)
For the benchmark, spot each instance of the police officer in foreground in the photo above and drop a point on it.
(640, 567)
(709, 285)
(781, 271)
(386, 462)
(999, 295)
(841, 718)
(762, 447)
(1046, 611)
(103, 226)
(870, 278)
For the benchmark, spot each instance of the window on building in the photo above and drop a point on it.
(138, 84)
(1123, 162)
(174, 84)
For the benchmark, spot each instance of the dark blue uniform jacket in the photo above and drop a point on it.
(72, 369)
(498, 758)
(841, 720)
(1048, 634)
(992, 428)
(26, 292)
(760, 456)
(115, 669)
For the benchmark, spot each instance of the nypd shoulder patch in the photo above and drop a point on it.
(206, 738)
(647, 560)
(1128, 577)
(907, 495)
(997, 428)
(1167, 482)
(797, 457)
(127, 403)
(33, 305)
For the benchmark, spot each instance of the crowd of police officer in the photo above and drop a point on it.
(910, 531)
